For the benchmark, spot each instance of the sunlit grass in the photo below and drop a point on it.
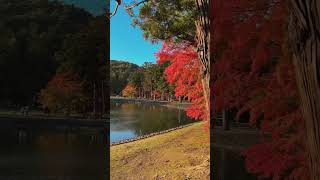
(178, 154)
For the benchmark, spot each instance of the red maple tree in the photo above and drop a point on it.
(254, 73)
(184, 72)
(63, 92)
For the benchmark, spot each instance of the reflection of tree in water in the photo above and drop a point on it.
(157, 118)
(146, 118)
(126, 106)
(51, 144)
(154, 107)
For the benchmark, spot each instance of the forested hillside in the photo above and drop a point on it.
(43, 39)
(120, 72)
(96, 7)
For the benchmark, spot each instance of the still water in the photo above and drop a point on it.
(229, 165)
(129, 120)
(34, 151)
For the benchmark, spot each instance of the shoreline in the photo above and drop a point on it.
(24, 122)
(234, 140)
(182, 153)
(168, 104)
(152, 134)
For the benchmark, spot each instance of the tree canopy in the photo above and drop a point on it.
(120, 71)
(40, 40)
(30, 34)
(253, 73)
(165, 19)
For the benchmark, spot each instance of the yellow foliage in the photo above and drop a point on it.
(129, 91)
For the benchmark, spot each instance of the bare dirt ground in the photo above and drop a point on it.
(181, 154)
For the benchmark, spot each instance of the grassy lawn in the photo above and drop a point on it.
(180, 154)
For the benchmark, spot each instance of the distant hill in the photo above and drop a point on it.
(31, 35)
(96, 7)
(119, 74)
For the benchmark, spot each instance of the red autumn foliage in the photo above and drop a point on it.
(63, 92)
(253, 73)
(184, 72)
(65, 81)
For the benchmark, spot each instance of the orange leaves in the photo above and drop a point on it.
(63, 93)
(65, 81)
(129, 91)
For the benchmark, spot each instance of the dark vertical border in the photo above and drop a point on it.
(211, 111)
(107, 129)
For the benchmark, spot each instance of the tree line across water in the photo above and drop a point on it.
(147, 81)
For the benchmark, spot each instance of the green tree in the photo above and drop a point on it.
(148, 82)
(137, 79)
(120, 71)
(31, 32)
(161, 84)
(166, 19)
(154, 80)
(87, 58)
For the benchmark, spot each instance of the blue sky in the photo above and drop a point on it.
(127, 43)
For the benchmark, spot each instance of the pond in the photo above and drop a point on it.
(229, 165)
(35, 151)
(132, 119)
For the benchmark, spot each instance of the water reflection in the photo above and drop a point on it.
(34, 151)
(229, 165)
(133, 119)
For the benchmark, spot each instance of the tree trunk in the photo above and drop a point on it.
(304, 42)
(203, 41)
(206, 93)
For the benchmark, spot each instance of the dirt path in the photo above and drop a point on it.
(181, 154)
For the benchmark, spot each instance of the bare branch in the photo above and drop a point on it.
(135, 4)
(116, 9)
(128, 8)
